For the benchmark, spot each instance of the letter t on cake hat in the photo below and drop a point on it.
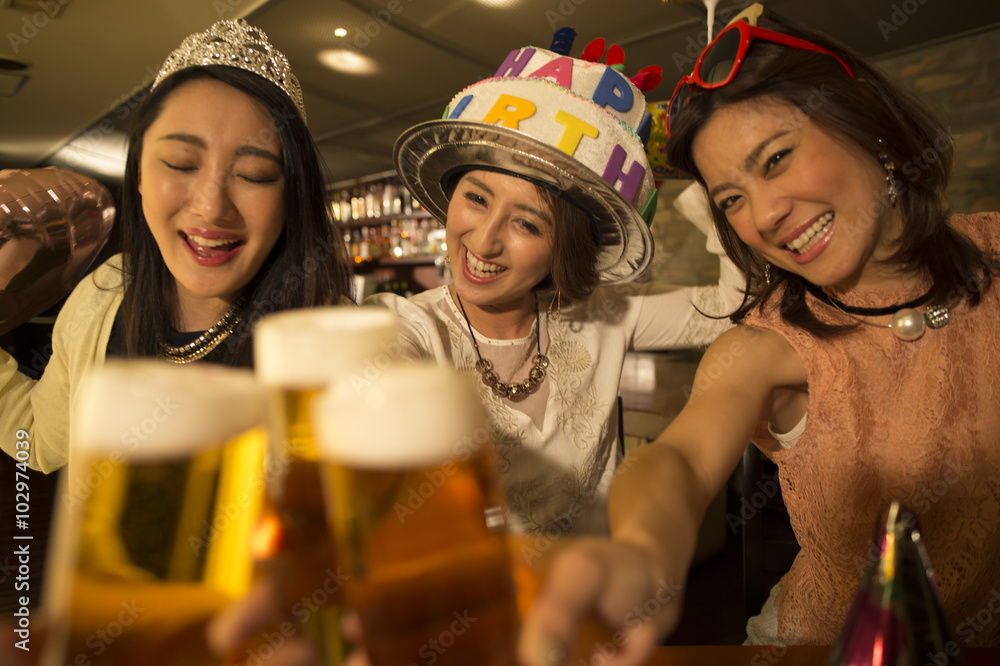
(576, 126)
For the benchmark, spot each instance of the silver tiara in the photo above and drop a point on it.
(235, 44)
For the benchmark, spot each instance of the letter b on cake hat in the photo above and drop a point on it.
(575, 126)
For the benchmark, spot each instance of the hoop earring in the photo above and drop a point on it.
(557, 300)
(892, 192)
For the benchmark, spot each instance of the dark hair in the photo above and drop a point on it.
(864, 110)
(574, 250)
(307, 265)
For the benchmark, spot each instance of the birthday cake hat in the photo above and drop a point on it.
(897, 616)
(573, 125)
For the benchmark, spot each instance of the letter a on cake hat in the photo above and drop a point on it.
(573, 125)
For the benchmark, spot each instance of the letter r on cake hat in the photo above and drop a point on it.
(575, 126)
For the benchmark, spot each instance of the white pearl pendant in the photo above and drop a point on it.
(908, 324)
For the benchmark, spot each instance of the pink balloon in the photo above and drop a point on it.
(53, 223)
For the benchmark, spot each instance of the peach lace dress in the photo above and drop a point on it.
(918, 421)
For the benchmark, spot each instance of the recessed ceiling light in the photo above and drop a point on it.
(347, 60)
(340, 32)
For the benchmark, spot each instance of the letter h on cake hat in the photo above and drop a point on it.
(576, 126)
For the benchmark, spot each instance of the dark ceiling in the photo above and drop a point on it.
(86, 61)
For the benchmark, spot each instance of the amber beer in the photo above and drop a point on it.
(297, 354)
(155, 513)
(416, 510)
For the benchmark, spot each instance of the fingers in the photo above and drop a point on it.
(245, 618)
(599, 598)
(350, 625)
(576, 581)
(357, 658)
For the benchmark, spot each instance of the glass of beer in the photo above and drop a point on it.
(417, 515)
(296, 355)
(154, 514)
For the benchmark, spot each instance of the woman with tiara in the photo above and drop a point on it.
(224, 218)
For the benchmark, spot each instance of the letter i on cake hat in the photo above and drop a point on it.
(576, 126)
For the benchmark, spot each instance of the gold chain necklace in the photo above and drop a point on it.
(515, 392)
(207, 341)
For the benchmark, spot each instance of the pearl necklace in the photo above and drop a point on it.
(514, 392)
(906, 323)
(207, 341)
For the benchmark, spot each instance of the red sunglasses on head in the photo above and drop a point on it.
(721, 60)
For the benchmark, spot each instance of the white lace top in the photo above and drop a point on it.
(558, 448)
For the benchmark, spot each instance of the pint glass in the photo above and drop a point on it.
(155, 513)
(296, 355)
(416, 510)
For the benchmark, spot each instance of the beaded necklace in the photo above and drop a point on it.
(514, 392)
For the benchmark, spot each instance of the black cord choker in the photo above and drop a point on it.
(907, 323)
(878, 312)
(513, 392)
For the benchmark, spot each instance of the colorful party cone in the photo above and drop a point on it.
(897, 619)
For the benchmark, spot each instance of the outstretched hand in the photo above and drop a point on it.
(599, 597)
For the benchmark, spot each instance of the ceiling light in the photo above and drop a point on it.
(340, 32)
(103, 156)
(347, 60)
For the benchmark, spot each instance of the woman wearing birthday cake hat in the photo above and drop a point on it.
(540, 176)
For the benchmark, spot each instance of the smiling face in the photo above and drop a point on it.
(808, 201)
(212, 188)
(499, 235)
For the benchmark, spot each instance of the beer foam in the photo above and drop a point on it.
(147, 408)
(308, 347)
(410, 416)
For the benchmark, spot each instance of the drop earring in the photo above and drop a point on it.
(557, 301)
(892, 192)
(767, 273)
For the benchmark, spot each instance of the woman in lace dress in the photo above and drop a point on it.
(545, 192)
(866, 343)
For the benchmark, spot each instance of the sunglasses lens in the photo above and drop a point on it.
(717, 63)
